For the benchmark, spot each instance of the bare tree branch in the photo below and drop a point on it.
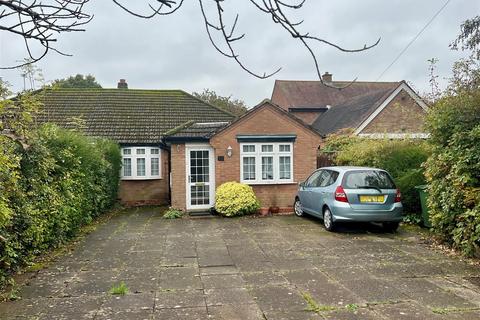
(42, 21)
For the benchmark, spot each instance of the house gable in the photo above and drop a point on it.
(401, 113)
(266, 124)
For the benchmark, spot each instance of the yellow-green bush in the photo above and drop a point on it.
(235, 199)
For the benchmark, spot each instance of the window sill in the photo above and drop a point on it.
(268, 183)
(140, 178)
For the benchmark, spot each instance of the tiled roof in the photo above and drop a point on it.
(314, 94)
(351, 113)
(127, 115)
(193, 129)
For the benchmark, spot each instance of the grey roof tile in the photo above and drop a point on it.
(127, 115)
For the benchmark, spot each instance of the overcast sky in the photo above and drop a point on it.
(173, 52)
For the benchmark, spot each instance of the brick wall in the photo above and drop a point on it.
(147, 192)
(178, 176)
(280, 99)
(267, 120)
(401, 115)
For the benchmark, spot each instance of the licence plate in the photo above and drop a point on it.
(378, 199)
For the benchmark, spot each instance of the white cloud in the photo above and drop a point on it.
(174, 51)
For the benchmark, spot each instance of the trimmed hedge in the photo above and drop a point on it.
(403, 159)
(453, 170)
(235, 199)
(47, 192)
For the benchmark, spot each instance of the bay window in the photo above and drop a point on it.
(266, 163)
(140, 163)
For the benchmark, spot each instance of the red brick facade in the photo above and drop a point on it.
(402, 115)
(178, 176)
(147, 192)
(265, 119)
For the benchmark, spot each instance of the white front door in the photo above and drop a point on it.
(200, 177)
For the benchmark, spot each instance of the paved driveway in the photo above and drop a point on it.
(248, 268)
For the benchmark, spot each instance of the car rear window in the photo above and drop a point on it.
(368, 178)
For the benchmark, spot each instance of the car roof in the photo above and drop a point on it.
(349, 168)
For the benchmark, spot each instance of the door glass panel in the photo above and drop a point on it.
(199, 178)
(200, 195)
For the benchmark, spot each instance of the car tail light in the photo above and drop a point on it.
(340, 194)
(398, 196)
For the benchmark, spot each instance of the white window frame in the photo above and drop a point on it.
(258, 154)
(148, 156)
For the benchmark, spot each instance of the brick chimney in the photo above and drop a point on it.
(122, 84)
(327, 77)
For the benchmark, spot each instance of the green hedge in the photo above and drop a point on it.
(453, 170)
(403, 159)
(48, 191)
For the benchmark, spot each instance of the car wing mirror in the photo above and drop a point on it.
(301, 184)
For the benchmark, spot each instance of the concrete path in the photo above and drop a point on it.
(248, 268)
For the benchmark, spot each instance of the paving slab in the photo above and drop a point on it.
(222, 281)
(247, 268)
(235, 312)
(194, 313)
(180, 278)
(169, 299)
(228, 296)
(278, 298)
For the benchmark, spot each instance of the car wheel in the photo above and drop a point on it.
(390, 226)
(328, 220)
(298, 208)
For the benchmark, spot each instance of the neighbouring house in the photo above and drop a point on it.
(176, 148)
(371, 109)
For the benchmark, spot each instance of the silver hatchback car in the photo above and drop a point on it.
(343, 194)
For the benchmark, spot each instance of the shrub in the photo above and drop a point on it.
(120, 289)
(403, 159)
(48, 191)
(235, 199)
(172, 213)
(453, 170)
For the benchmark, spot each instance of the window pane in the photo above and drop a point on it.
(127, 167)
(248, 168)
(248, 148)
(140, 151)
(368, 178)
(267, 148)
(267, 168)
(127, 151)
(284, 148)
(154, 151)
(141, 167)
(154, 167)
(285, 167)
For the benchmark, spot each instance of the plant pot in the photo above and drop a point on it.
(264, 211)
(274, 210)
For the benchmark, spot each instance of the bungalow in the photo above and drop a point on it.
(176, 148)
(371, 109)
